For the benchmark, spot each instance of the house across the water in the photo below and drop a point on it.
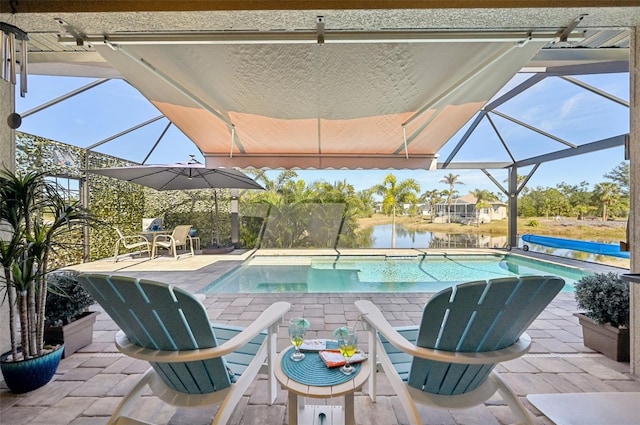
(463, 210)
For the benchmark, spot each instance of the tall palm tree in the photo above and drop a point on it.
(431, 197)
(396, 193)
(452, 180)
(483, 199)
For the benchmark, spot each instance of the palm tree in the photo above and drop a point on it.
(343, 205)
(276, 185)
(431, 197)
(607, 194)
(396, 193)
(452, 180)
(483, 199)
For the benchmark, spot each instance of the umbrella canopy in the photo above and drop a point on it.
(181, 176)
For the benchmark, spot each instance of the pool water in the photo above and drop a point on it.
(347, 274)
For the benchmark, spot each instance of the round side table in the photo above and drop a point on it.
(299, 413)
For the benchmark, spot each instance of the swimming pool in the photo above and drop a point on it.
(347, 274)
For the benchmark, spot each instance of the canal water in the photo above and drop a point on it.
(381, 237)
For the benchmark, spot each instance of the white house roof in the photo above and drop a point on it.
(470, 200)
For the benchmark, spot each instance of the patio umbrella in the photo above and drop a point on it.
(181, 176)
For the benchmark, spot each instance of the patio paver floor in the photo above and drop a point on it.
(90, 383)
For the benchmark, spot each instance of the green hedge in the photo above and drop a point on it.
(118, 203)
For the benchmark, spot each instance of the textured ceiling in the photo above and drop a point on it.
(336, 20)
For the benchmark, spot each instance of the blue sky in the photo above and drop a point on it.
(556, 106)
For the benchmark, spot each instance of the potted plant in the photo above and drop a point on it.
(67, 317)
(35, 221)
(604, 297)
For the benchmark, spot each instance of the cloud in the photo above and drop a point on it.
(573, 103)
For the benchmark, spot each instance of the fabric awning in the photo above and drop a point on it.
(386, 105)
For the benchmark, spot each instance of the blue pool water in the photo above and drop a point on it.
(346, 274)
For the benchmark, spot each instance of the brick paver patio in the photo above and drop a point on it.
(90, 383)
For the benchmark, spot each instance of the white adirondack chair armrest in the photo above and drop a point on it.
(272, 315)
(374, 317)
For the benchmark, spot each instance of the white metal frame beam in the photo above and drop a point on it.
(599, 145)
(310, 37)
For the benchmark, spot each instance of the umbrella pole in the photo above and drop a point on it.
(214, 229)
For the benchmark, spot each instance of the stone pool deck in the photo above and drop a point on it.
(90, 383)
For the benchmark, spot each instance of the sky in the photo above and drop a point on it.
(555, 106)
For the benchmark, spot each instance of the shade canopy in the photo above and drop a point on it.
(181, 176)
(299, 105)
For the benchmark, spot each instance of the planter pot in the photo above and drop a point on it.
(75, 335)
(29, 375)
(606, 339)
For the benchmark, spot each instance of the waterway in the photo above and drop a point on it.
(381, 237)
(409, 238)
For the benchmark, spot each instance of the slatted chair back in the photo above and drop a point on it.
(160, 317)
(476, 317)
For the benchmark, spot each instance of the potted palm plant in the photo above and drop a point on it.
(604, 297)
(35, 220)
(68, 319)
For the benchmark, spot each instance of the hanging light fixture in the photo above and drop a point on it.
(13, 52)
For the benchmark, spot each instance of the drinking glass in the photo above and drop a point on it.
(297, 329)
(348, 343)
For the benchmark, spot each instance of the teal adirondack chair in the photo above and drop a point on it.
(449, 360)
(193, 362)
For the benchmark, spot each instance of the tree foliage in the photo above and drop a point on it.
(432, 198)
(483, 200)
(37, 219)
(608, 199)
(293, 214)
(395, 194)
(621, 176)
(452, 180)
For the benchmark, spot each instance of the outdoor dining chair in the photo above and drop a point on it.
(449, 360)
(180, 237)
(130, 242)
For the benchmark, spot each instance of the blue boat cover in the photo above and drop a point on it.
(577, 245)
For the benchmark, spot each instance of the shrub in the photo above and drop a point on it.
(67, 299)
(533, 223)
(605, 298)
